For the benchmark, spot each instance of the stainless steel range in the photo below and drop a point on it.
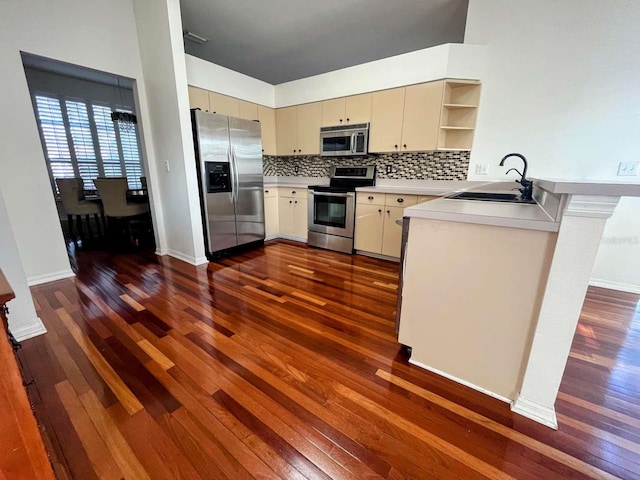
(332, 208)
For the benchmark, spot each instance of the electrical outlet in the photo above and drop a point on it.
(166, 165)
(627, 169)
(296, 169)
(389, 169)
(482, 169)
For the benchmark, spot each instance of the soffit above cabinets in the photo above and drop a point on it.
(282, 40)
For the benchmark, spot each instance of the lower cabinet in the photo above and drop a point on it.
(376, 215)
(292, 211)
(270, 212)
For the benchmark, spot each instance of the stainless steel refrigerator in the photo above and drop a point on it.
(229, 161)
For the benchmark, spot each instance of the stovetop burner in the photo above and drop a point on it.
(347, 179)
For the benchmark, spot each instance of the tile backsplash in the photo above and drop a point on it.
(404, 165)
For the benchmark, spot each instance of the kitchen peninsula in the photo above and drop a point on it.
(492, 292)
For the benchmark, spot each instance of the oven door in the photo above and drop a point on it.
(332, 213)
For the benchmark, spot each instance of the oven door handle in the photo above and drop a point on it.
(330, 194)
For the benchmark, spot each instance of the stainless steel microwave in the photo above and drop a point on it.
(344, 140)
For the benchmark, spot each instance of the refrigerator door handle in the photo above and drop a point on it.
(232, 168)
(236, 178)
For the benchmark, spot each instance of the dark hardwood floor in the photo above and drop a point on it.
(282, 363)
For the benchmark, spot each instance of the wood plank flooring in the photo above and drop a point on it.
(282, 363)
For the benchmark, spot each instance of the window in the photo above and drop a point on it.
(81, 140)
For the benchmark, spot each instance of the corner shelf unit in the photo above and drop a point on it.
(459, 112)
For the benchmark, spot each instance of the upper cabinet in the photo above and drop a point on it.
(248, 110)
(298, 129)
(346, 110)
(421, 118)
(267, 117)
(224, 105)
(387, 109)
(198, 98)
(460, 102)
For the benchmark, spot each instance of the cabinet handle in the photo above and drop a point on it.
(296, 201)
(389, 211)
(379, 210)
(396, 147)
(370, 197)
(293, 192)
(400, 200)
(347, 119)
(290, 201)
(294, 150)
(405, 145)
(263, 150)
(266, 191)
(340, 120)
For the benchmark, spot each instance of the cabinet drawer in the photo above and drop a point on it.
(293, 192)
(394, 200)
(270, 192)
(426, 198)
(370, 198)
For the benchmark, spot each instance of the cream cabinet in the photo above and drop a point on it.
(421, 116)
(298, 129)
(247, 110)
(287, 130)
(387, 110)
(271, 212)
(267, 117)
(376, 229)
(224, 105)
(198, 98)
(292, 213)
(346, 110)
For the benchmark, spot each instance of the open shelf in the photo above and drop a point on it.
(459, 112)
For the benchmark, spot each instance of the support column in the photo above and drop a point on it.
(575, 253)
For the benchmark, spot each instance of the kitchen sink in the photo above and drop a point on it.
(491, 197)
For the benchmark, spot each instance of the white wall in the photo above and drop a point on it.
(561, 87)
(216, 78)
(23, 321)
(100, 35)
(463, 61)
(160, 42)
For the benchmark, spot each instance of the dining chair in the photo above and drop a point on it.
(113, 193)
(143, 182)
(72, 197)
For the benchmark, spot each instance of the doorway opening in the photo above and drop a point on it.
(90, 138)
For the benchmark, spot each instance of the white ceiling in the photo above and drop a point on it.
(282, 40)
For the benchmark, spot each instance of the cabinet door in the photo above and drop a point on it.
(387, 108)
(421, 119)
(333, 112)
(300, 227)
(286, 216)
(224, 105)
(287, 130)
(198, 98)
(358, 108)
(309, 119)
(369, 227)
(392, 235)
(248, 110)
(267, 117)
(271, 216)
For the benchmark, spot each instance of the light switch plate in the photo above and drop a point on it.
(482, 169)
(627, 169)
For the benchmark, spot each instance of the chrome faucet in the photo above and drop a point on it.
(527, 185)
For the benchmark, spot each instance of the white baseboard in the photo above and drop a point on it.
(29, 331)
(187, 258)
(460, 381)
(379, 256)
(50, 277)
(291, 237)
(623, 287)
(271, 237)
(534, 411)
(161, 252)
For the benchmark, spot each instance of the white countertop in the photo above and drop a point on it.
(589, 187)
(294, 182)
(420, 187)
(514, 215)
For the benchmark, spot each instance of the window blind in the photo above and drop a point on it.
(80, 139)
